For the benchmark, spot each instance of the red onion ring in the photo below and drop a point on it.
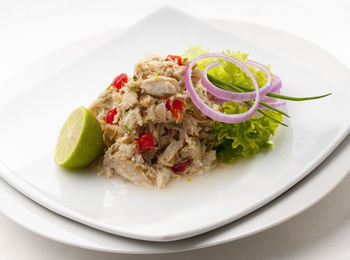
(278, 103)
(207, 110)
(276, 84)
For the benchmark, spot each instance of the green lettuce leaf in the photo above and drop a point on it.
(243, 139)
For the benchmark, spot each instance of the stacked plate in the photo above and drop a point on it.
(109, 215)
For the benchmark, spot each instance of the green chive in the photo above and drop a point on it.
(173, 124)
(127, 128)
(233, 86)
(273, 108)
(220, 84)
(296, 98)
(267, 115)
(134, 78)
(135, 89)
(187, 107)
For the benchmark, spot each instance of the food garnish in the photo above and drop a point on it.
(80, 140)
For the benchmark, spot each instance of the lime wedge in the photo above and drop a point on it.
(80, 140)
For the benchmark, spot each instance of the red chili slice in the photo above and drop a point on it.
(168, 104)
(119, 81)
(145, 143)
(110, 116)
(179, 168)
(176, 58)
(176, 107)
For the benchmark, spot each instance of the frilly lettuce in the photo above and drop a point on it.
(241, 139)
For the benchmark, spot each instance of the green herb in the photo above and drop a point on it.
(187, 107)
(134, 78)
(237, 87)
(225, 85)
(273, 108)
(267, 115)
(185, 59)
(150, 100)
(126, 113)
(173, 124)
(128, 129)
(135, 89)
(146, 119)
(275, 95)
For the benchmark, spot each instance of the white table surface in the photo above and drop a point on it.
(30, 29)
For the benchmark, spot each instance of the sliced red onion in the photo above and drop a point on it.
(267, 99)
(276, 84)
(237, 96)
(207, 110)
(278, 103)
(217, 99)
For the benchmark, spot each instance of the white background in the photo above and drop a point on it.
(31, 29)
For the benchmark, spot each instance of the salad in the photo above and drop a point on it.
(183, 115)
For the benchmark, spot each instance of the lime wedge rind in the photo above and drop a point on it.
(80, 140)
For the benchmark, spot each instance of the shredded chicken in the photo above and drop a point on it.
(157, 134)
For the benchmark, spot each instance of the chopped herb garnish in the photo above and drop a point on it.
(134, 78)
(135, 89)
(185, 59)
(173, 124)
(240, 88)
(187, 107)
(146, 119)
(126, 113)
(127, 128)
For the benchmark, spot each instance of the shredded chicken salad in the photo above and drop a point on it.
(151, 129)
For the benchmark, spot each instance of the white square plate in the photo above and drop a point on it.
(31, 122)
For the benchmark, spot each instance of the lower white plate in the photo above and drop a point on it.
(314, 187)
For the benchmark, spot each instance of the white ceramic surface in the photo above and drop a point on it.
(59, 192)
(311, 189)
